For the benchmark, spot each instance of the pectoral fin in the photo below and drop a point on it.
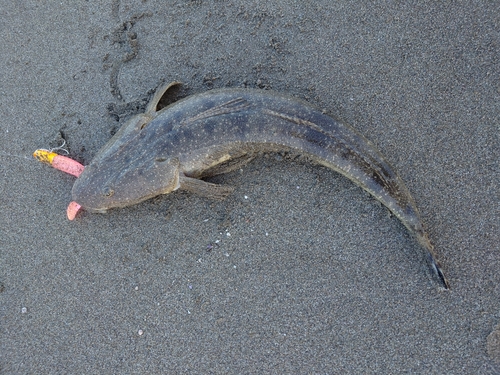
(152, 107)
(203, 188)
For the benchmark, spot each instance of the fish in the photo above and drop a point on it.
(176, 147)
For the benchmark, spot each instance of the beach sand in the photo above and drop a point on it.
(298, 271)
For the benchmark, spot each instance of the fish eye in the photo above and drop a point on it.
(161, 160)
(108, 192)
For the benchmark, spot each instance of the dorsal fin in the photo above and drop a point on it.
(232, 106)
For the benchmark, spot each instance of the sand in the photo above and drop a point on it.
(298, 271)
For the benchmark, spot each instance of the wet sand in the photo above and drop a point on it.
(298, 271)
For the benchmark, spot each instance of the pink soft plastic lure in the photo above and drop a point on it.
(65, 164)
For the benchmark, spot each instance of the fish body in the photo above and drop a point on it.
(220, 130)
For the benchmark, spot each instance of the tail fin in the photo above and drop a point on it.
(438, 271)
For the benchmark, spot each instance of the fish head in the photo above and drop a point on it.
(126, 171)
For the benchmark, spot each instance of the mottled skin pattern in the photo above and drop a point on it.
(217, 131)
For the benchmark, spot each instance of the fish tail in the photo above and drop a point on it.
(438, 271)
(424, 241)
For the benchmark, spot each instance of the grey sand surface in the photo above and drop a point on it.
(298, 271)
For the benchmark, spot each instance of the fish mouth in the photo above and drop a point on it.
(96, 210)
